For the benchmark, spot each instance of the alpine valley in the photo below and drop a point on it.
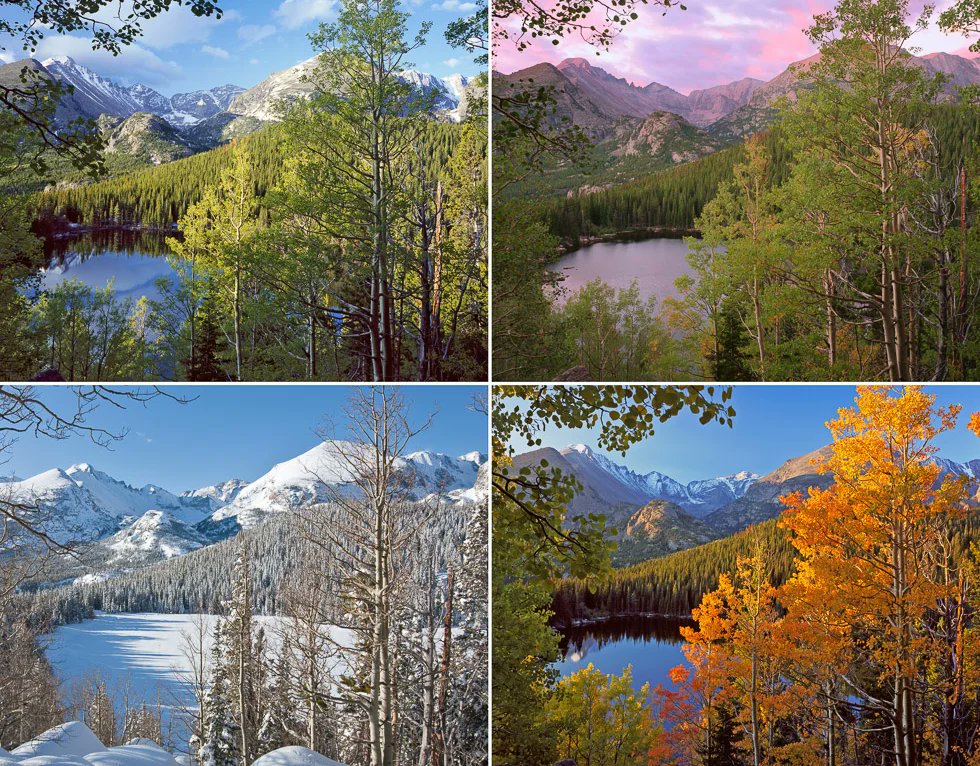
(143, 127)
(114, 527)
(677, 236)
(232, 231)
(635, 130)
(655, 516)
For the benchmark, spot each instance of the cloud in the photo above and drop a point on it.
(712, 42)
(176, 26)
(451, 63)
(296, 13)
(455, 5)
(218, 53)
(134, 64)
(6, 57)
(254, 62)
(253, 33)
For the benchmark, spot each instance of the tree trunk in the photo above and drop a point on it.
(238, 324)
(439, 755)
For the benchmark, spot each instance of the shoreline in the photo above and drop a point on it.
(627, 235)
(581, 622)
(61, 230)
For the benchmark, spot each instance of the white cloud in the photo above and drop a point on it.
(253, 33)
(218, 53)
(254, 62)
(6, 57)
(172, 27)
(134, 64)
(451, 63)
(455, 5)
(296, 13)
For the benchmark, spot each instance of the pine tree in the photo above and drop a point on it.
(204, 364)
(100, 715)
(243, 665)
(221, 731)
(277, 718)
(730, 363)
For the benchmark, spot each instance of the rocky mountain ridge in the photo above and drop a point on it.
(113, 523)
(636, 130)
(654, 514)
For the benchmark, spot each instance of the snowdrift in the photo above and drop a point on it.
(294, 756)
(74, 744)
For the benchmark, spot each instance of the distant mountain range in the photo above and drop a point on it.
(640, 129)
(138, 120)
(654, 514)
(116, 525)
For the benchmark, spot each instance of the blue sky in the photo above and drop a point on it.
(180, 52)
(232, 432)
(772, 424)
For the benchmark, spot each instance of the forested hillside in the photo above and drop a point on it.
(346, 241)
(160, 196)
(787, 223)
(672, 584)
(198, 581)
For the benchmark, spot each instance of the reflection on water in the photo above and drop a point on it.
(132, 260)
(653, 263)
(652, 645)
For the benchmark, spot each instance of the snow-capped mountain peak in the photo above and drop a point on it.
(94, 95)
(697, 497)
(155, 534)
(133, 526)
(63, 60)
(330, 467)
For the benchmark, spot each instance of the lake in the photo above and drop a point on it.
(653, 263)
(133, 259)
(146, 653)
(652, 645)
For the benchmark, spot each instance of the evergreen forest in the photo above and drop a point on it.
(841, 632)
(346, 241)
(839, 243)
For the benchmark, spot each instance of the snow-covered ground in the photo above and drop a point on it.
(74, 744)
(144, 652)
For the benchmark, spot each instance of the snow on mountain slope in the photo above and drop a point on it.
(122, 500)
(83, 504)
(218, 495)
(149, 100)
(190, 108)
(479, 493)
(123, 526)
(262, 102)
(315, 475)
(94, 94)
(697, 497)
(154, 535)
(65, 511)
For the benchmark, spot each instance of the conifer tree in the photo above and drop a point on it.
(222, 736)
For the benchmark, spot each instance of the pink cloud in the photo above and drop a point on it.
(712, 42)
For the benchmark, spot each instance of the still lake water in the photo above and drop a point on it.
(133, 260)
(653, 263)
(652, 645)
